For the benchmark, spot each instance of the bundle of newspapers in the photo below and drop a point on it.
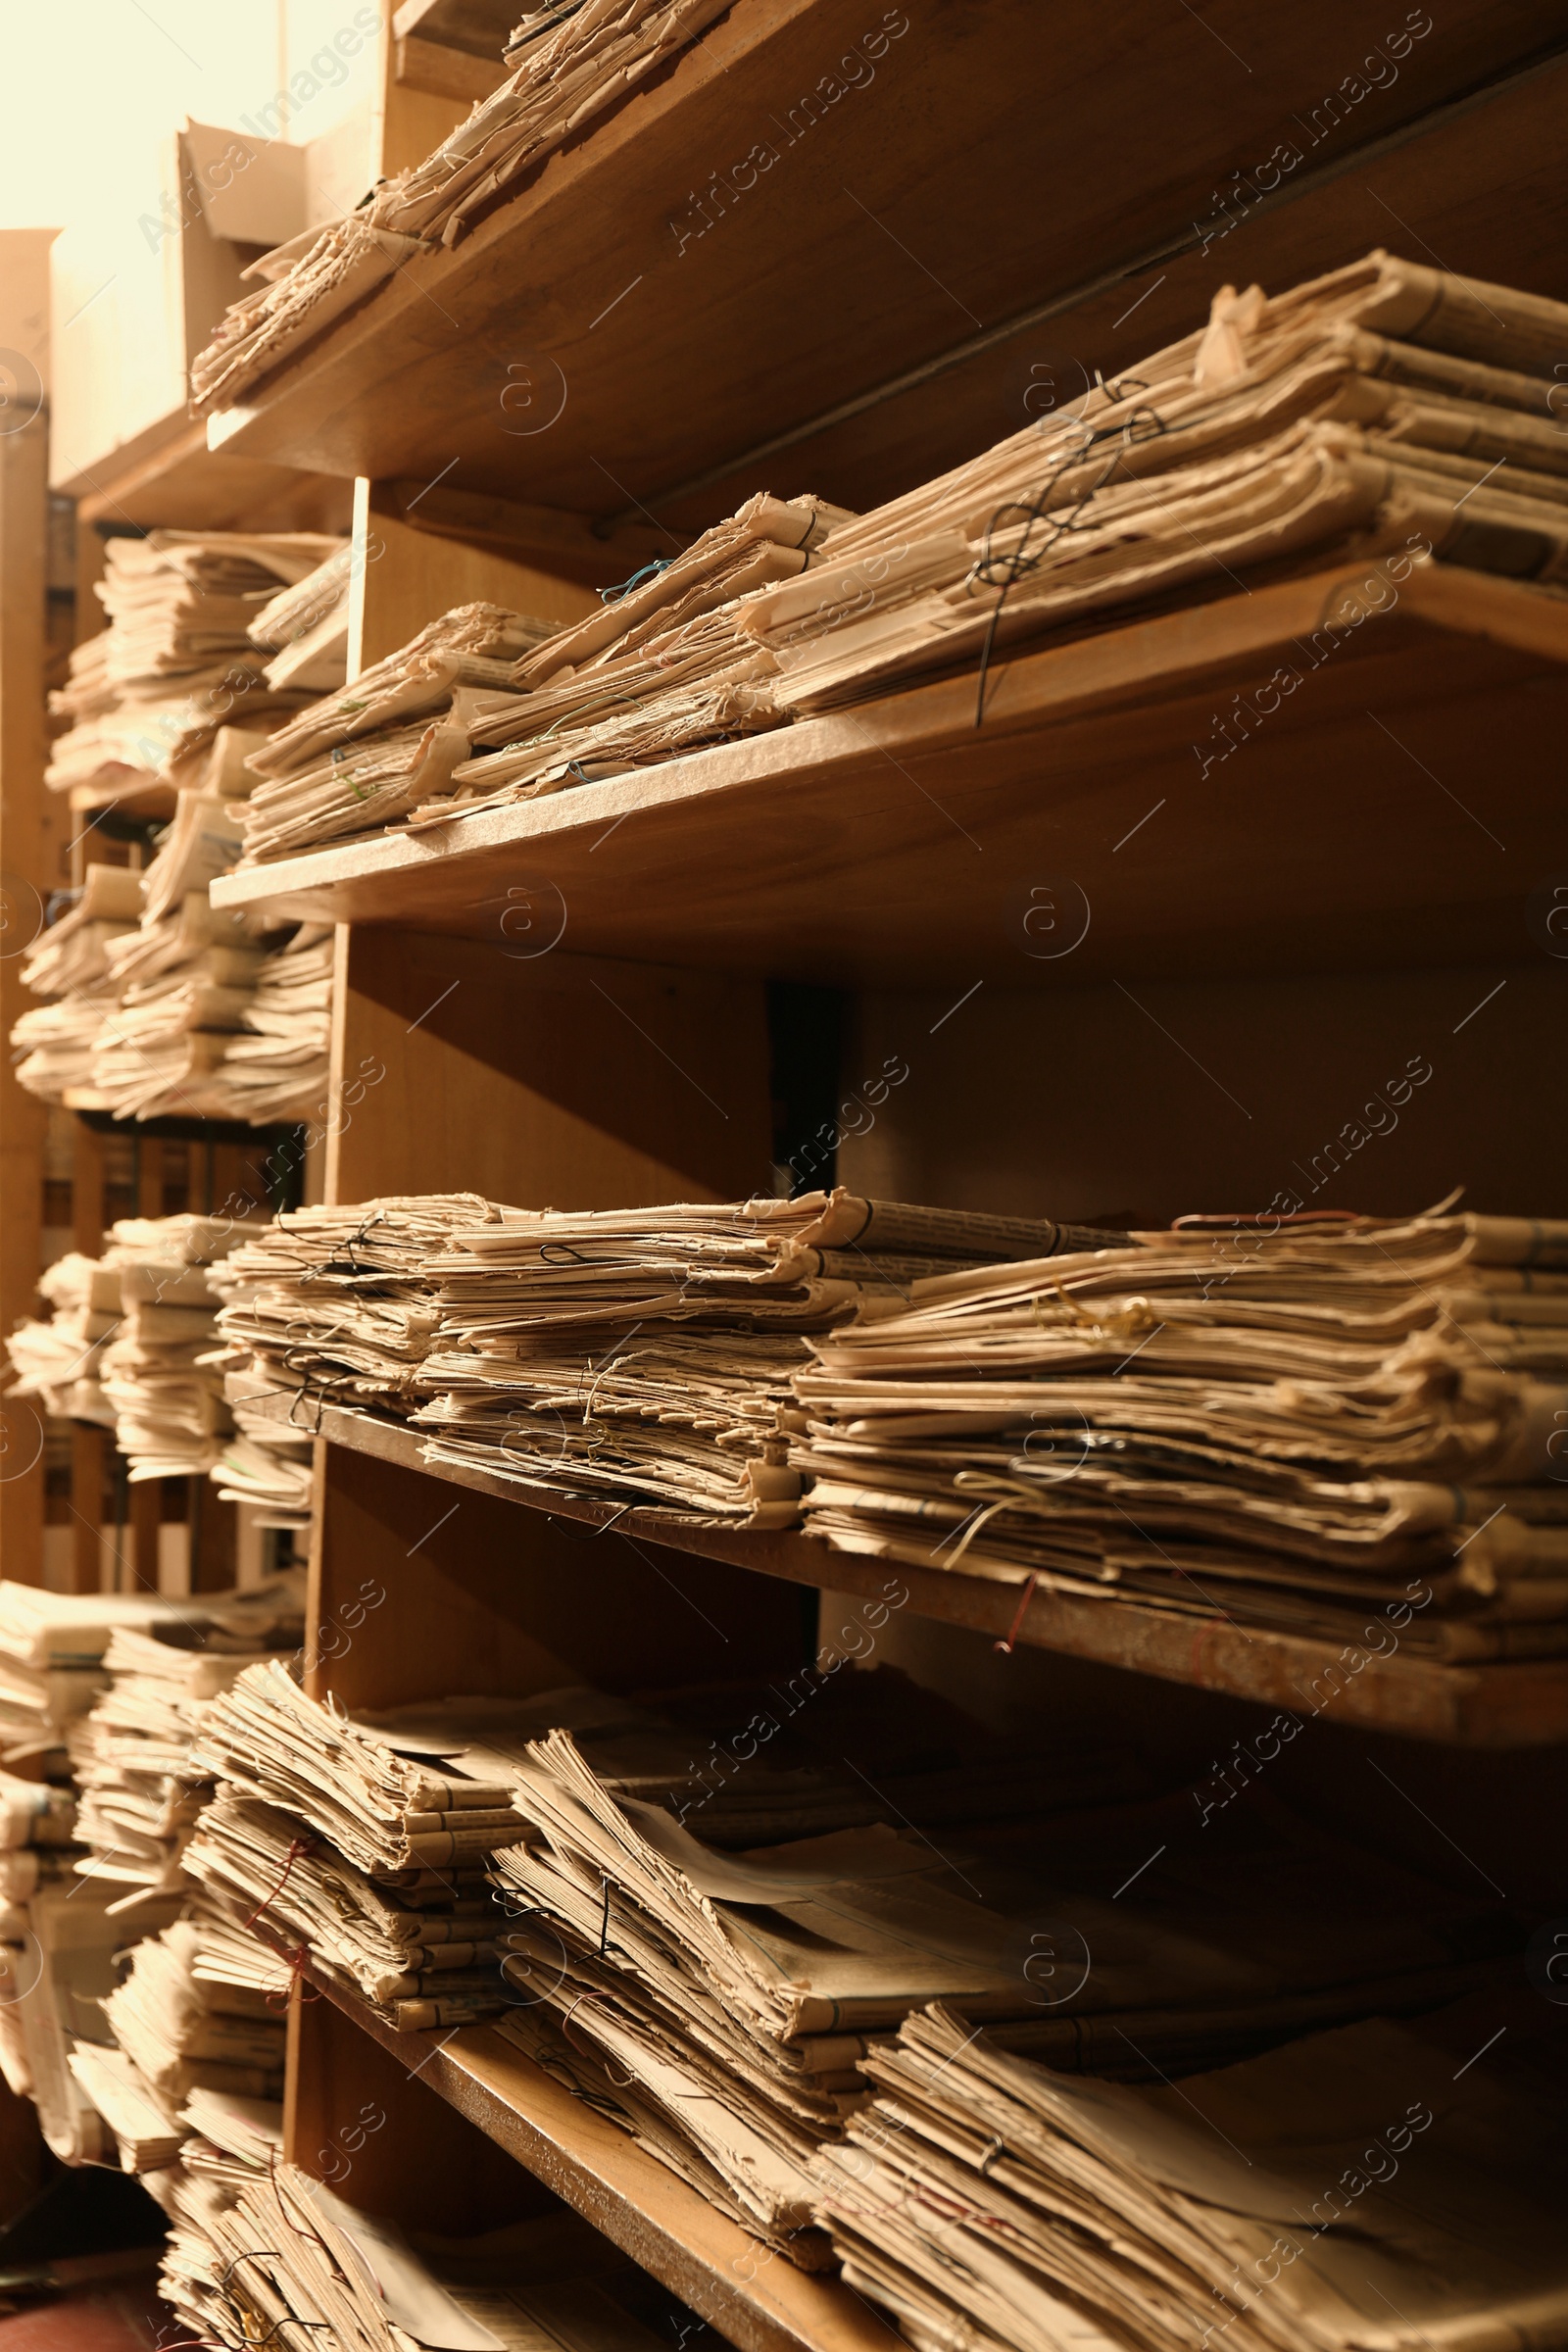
(631, 1355)
(263, 2253)
(349, 1855)
(71, 963)
(132, 1346)
(186, 1013)
(664, 668)
(177, 659)
(719, 1998)
(568, 64)
(1387, 2185)
(1387, 413)
(140, 1792)
(362, 758)
(1347, 1427)
(199, 2008)
(128, 1342)
(61, 1934)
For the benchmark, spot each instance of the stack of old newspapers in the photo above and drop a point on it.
(365, 1862)
(261, 2252)
(362, 758)
(1390, 2185)
(177, 660)
(1349, 1428)
(568, 64)
(200, 2008)
(633, 1356)
(72, 966)
(719, 1998)
(139, 1792)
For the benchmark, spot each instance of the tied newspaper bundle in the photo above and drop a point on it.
(367, 1862)
(568, 64)
(662, 669)
(335, 1303)
(1343, 1428)
(177, 658)
(200, 2009)
(140, 1792)
(1382, 2188)
(719, 2003)
(261, 2253)
(1385, 411)
(638, 1355)
(362, 758)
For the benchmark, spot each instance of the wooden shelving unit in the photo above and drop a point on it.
(1002, 200)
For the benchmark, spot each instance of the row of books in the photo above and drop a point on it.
(1339, 1426)
(1381, 418)
(159, 1006)
(131, 1346)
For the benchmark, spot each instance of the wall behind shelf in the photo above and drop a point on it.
(1159, 1097)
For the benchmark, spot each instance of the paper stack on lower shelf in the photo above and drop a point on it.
(264, 2253)
(1388, 2186)
(366, 1861)
(721, 2000)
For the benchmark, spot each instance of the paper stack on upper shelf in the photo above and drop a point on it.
(665, 668)
(177, 661)
(363, 759)
(1363, 417)
(1390, 2185)
(368, 1862)
(1347, 1428)
(568, 65)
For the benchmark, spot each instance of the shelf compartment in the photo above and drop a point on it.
(746, 299)
(1504, 1705)
(1389, 810)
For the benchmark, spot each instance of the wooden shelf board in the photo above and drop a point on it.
(179, 483)
(760, 2302)
(1508, 1706)
(1393, 809)
(879, 240)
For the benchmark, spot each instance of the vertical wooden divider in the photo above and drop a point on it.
(506, 1065)
(29, 820)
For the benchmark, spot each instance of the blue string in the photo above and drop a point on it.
(649, 571)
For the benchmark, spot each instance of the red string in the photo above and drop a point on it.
(1005, 1648)
(299, 1846)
